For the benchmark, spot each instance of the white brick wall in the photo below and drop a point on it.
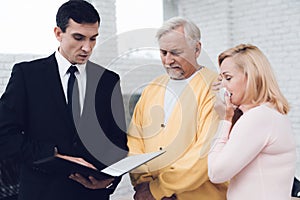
(108, 28)
(272, 25)
(213, 19)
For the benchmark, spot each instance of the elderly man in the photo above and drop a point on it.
(175, 112)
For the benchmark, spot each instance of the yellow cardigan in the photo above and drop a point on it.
(182, 170)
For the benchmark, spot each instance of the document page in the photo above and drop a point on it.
(129, 163)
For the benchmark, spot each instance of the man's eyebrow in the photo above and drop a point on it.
(78, 34)
(171, 50)
(96, 35)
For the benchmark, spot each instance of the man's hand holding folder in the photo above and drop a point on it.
(90, 181)
(85, 173)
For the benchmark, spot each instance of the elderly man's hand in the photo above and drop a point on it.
(142, 192)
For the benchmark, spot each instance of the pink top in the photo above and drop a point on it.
(258, 158)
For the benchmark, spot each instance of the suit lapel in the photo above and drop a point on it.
(54, 86)
(93, 75)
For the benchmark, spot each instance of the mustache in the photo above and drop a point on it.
(172, 66)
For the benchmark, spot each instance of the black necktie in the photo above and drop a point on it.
(73, 94)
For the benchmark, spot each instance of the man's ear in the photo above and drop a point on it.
(198, 49)
(58, 33)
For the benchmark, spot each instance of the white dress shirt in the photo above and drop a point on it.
(63, 66)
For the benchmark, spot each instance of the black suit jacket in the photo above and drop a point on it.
(34, 120)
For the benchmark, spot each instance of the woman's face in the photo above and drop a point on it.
(234, 80)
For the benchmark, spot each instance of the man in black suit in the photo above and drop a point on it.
(35, 121)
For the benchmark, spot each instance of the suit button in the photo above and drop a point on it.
(162, 125)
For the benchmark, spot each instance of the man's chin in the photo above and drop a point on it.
(176, 75)
(82, 61)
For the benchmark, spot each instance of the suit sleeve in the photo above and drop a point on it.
(111, 116)
(13, 117)
(110, 110)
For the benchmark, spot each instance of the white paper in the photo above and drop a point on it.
(129, 163)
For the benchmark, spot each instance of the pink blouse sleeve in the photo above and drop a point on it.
(228, 156)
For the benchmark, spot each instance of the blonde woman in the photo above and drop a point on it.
(258, 154)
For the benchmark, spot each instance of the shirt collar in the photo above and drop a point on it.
(64, 64)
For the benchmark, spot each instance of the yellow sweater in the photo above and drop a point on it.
(182, 170)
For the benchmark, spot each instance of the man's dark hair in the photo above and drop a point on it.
(80, 11)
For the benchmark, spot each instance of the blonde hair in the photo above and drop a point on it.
(261, 82)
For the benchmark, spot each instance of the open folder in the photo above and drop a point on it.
(64, 167)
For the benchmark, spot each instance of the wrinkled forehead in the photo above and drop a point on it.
(173, 40)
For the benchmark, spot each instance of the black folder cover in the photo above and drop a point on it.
(62, 167)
